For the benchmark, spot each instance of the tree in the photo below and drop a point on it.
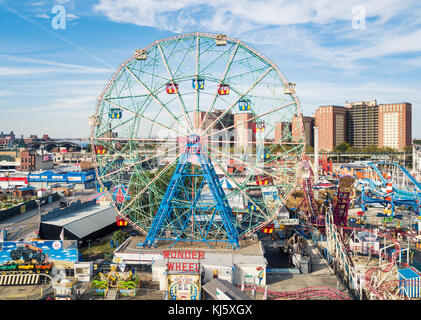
(120, 236)
(353, 149)
(341, 147)
(408, 149)
(309, 149)
(371, 149)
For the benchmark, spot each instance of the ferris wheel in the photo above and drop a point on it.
(192, 140)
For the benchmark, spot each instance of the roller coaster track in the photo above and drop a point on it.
(310, 204)
(303, 294)
(380, 289)
(397, 170)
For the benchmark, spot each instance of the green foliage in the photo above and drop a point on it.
(341, 147)
(309, 149)
(120, 236)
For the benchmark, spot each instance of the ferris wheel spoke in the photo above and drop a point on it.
(249, 120)
(144, 117)
(142, 161)
(182, 105)
(156, 99)
(221, 81)
(152, 181)
(245, 93)
(196, 125)
(234, 182)
(253, 165)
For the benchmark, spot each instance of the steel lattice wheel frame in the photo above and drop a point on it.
(138, 84)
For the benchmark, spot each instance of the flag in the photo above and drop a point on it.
(62, 234)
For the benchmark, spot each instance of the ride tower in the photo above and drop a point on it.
(195, 214)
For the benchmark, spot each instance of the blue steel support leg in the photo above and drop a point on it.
(221, 203)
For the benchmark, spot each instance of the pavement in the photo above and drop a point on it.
(29, 221)
(320, 276)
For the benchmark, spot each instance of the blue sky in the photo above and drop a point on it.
(50, 78)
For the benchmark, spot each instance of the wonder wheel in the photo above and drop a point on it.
(194, 138)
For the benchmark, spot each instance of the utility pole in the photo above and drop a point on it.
(316, 155)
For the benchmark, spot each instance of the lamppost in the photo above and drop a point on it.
(89, 246)
(39, 202)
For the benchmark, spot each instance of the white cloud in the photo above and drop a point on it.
(298, 27)
(42, 16)
(59, 67)
(6, 93)
(71, 16)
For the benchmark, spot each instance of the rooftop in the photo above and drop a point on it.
(247, 247)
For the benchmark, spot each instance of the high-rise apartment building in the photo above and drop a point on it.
(308, 123)
(331, 121)
(362, 123)
(243, 132)
(395, 125)
(283, 132)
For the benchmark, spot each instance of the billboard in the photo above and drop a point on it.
(53, 250)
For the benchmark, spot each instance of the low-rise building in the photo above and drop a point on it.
(63, 175)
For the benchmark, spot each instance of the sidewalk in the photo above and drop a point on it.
(320, 276)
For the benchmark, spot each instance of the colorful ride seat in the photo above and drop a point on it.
(263, 180)
(171, 88)
(223, 89)
(263, 155)
(198, 84)
(259, 127)
(115, 113)
(244, 105)
(100, 149)
(107, 185)
(121, 222)
(268, 229)
(251, 207)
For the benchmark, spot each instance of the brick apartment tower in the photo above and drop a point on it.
(283, 132)
(244, 134)
(331, 121)
(362, 123)
(395, 125)
(308, 123)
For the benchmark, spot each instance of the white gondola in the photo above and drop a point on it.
(221, 40)
(94, 121)
(140, 54)
(289, 88)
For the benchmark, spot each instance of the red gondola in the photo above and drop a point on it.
(120, 222)
(171, 88)
(100, 149)
(268, 229)
(259, 127)
(223, 89)
(263, 180)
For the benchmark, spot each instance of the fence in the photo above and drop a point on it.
(26, 206)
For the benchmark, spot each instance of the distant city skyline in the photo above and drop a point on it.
(52, 74)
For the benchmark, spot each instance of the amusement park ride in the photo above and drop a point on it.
(176, 114)
(391, 186)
